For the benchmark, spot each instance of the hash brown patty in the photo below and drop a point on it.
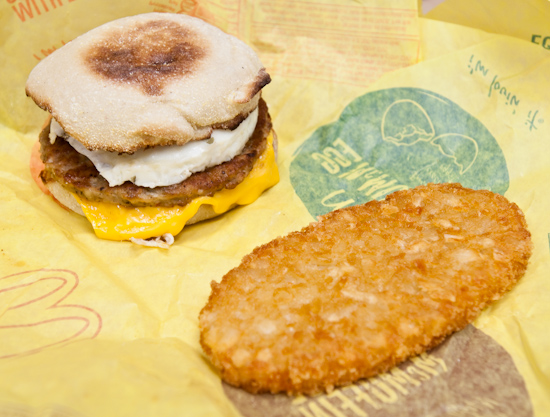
(77, 174)
(363, 289)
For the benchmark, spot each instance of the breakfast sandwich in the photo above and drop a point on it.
(157, 121)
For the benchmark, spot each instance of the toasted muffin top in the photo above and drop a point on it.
(148, 80)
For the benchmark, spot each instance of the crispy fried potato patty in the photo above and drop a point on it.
(363, 289)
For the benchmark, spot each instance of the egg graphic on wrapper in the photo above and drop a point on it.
(405, 123)
(391, 139)
(461, 149)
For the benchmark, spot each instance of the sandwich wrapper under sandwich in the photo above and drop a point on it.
(91, 327)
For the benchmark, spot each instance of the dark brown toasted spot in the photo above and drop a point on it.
(233, 123)
(262, 79)
(149, 55)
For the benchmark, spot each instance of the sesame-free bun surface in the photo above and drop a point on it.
(148, 80)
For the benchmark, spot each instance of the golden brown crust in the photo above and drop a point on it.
(363, 289)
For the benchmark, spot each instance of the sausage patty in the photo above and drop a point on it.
(77, 174)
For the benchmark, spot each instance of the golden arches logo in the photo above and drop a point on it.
(35, 313)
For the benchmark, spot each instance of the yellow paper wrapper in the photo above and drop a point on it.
(498, 83)
(90, 327)
(526, 19)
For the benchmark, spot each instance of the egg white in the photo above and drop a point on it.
(165, 165)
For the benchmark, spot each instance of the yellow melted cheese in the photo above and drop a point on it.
(116, 222)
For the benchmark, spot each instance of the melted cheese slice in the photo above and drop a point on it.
(116, 222)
